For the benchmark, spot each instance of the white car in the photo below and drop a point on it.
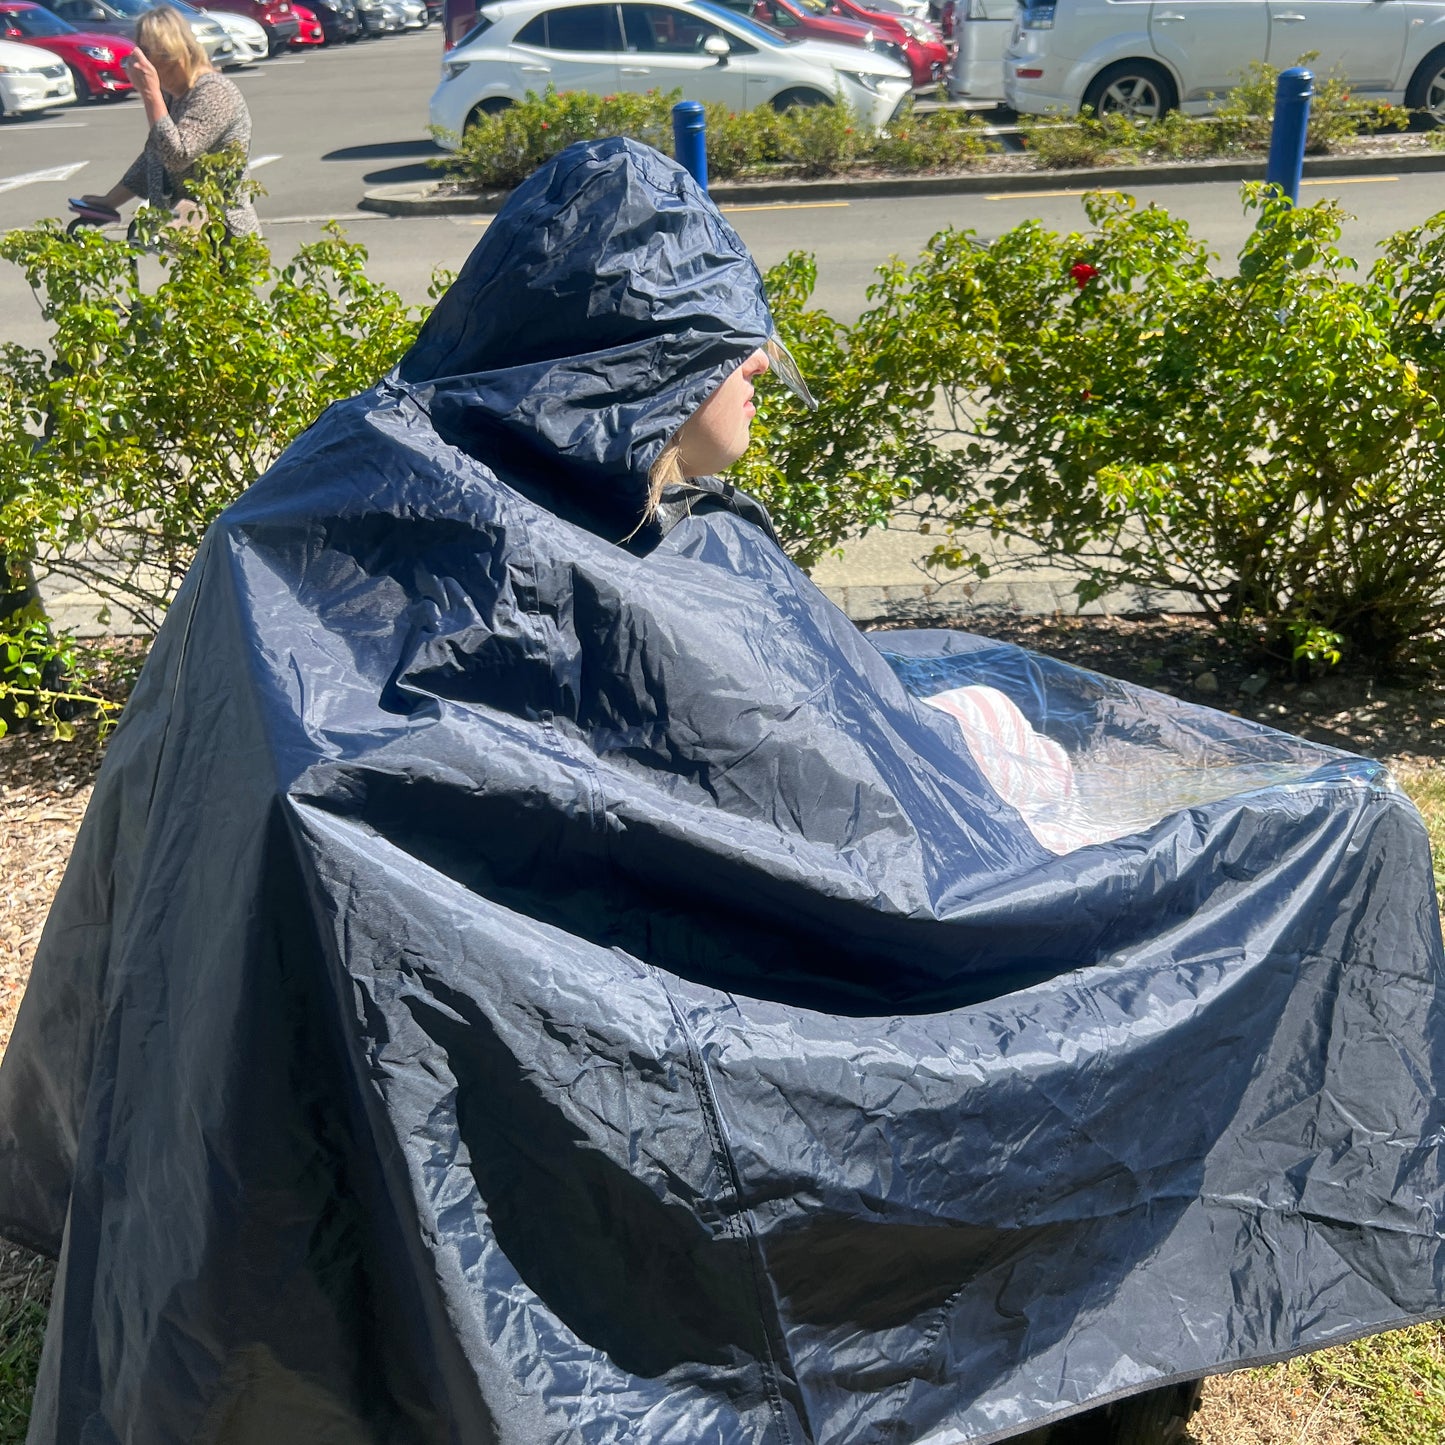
(711, 54)
(248, 39)
(1144, 57)
(32, 79)
(981, 32)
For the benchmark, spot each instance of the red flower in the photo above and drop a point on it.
(1086, 395)
(545, 126)
(1082, 273)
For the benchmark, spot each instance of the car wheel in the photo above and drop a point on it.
(83, 93)
(492, 105)
(1138, 89)
(789, 98)
(1425, 95)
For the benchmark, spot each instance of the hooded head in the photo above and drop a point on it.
(605, 303)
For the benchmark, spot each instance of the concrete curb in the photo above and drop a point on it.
(946, 604)
(424, 200)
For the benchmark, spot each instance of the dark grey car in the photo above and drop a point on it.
(118, 17)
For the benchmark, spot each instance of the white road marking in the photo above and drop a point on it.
(51, 173)
(258, 161)
(57, 125)
(301, 61)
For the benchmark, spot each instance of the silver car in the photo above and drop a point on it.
(519, 46)
(1144, 57)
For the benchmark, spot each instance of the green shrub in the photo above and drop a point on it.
(502, 149)
(1267, 441)
(170, 381)
(1246, 115)
(936, 140)
(1087, 141)
(1242, 123)
(820, 140)
(835, 472)
(740, 141)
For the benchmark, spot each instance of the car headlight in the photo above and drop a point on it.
(101, 53)
(859, 77)
(453, 68)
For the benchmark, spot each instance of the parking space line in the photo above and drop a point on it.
(57, 125)
(50, 173)
(258, 161)
(1349, 180)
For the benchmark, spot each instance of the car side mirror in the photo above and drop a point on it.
(717, 46)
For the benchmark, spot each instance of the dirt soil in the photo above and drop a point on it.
(44, 787)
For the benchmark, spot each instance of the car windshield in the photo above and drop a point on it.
(36, 22)
(131, 9)
(733, 21)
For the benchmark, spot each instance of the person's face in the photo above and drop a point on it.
(169, 71)
(716, 434)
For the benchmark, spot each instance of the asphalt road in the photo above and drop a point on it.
(331, 123)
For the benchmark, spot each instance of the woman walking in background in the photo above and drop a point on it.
(193, 111)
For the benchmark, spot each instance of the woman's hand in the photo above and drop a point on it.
(145, 79)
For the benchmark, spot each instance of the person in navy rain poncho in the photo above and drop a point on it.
(533, 972)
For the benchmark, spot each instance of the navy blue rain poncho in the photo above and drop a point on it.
(513, 986)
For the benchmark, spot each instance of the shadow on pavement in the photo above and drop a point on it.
(391, 150)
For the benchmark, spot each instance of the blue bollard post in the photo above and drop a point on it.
(1292, 96)
(689, 139)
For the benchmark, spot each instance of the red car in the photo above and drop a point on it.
(310, 32)
(815, 20)
(927, 54)
(275, 17)
(94, 60)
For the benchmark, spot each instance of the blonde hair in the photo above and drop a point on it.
(165, 34)
(665, 472)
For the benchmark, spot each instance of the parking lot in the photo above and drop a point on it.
(327, 124)
(333, 122)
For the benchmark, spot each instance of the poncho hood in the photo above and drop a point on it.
(605, 303)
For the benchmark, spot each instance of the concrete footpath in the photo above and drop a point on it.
(879, 578)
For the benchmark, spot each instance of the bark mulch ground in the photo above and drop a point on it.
(44, 788)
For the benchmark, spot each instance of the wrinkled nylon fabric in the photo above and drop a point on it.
(512, 986)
